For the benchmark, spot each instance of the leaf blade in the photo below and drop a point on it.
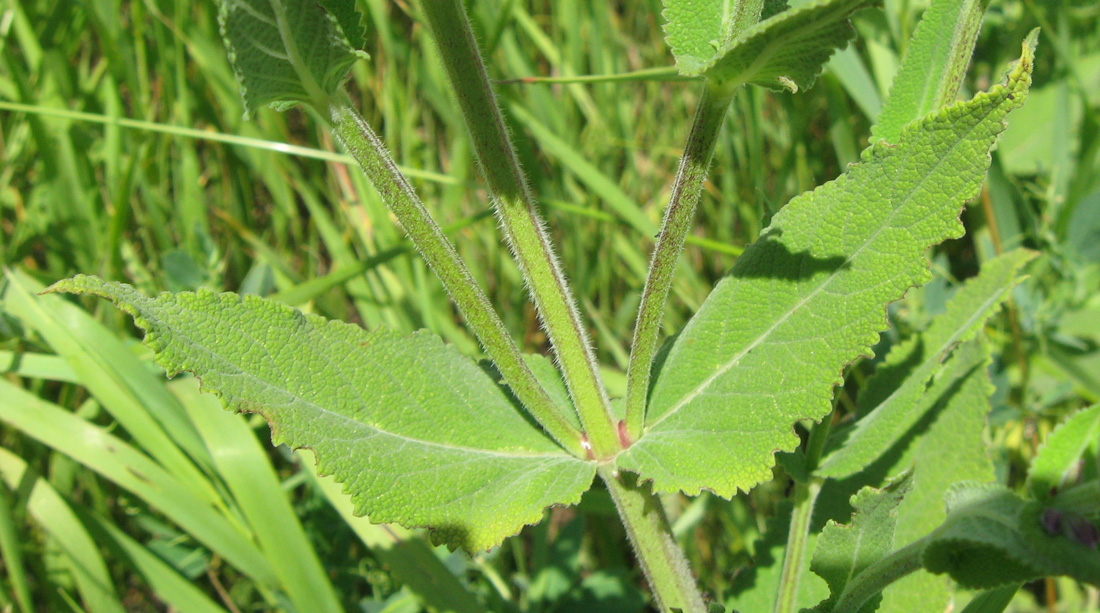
(435, 444)
(808, 298)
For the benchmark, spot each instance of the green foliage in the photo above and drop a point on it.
(418, 433)
(125, 154)
(766, 348)
(895, 397)
(1069, 455)
(285, 53)
(992, 537)
(843, 552)
(934, 65)
(785, 51)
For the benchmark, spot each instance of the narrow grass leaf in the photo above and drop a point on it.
(896, 390)
(806, 299)
(53, 515)
(130, 469)
(126, 387)
(418, 433)
(169, 586)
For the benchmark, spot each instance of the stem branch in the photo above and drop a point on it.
(798, 535)
(679, 216)
(521, 223)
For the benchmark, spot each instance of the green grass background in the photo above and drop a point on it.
(124, 153)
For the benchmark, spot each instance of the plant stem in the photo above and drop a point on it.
(798, 535)
(679, 216)
(877, 576)
(663, 562)
(364, 145)
(521, 223)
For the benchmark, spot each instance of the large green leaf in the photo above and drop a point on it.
(786, 51)
(771, 340)
(844, 551)
(289, 51)
(900, 384)
(418, 434)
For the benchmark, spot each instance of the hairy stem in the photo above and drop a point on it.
(877, 576)
(521, 223)
(679, 216)
(364, 145)
(663, 562)
(798, 535)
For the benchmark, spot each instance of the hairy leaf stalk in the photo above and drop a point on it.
(364, 145)
(520, 220)
(650, 534)
(679, 217)
(879, 575)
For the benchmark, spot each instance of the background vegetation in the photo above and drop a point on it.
(124, 154)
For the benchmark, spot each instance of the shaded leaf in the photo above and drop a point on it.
(992, 537)
(418, 434)
(844, 551)
(899, 385)
(949, 450)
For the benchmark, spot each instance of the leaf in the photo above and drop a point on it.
(949, 450)
(418, 434)
(785, 52)
(934, 65)
(844, 551)
(769, 343)
(1059, 457)
(900, 383)
(992, 537)
(694, 29)
(284, 52)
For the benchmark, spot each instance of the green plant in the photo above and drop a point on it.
(451, 452)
